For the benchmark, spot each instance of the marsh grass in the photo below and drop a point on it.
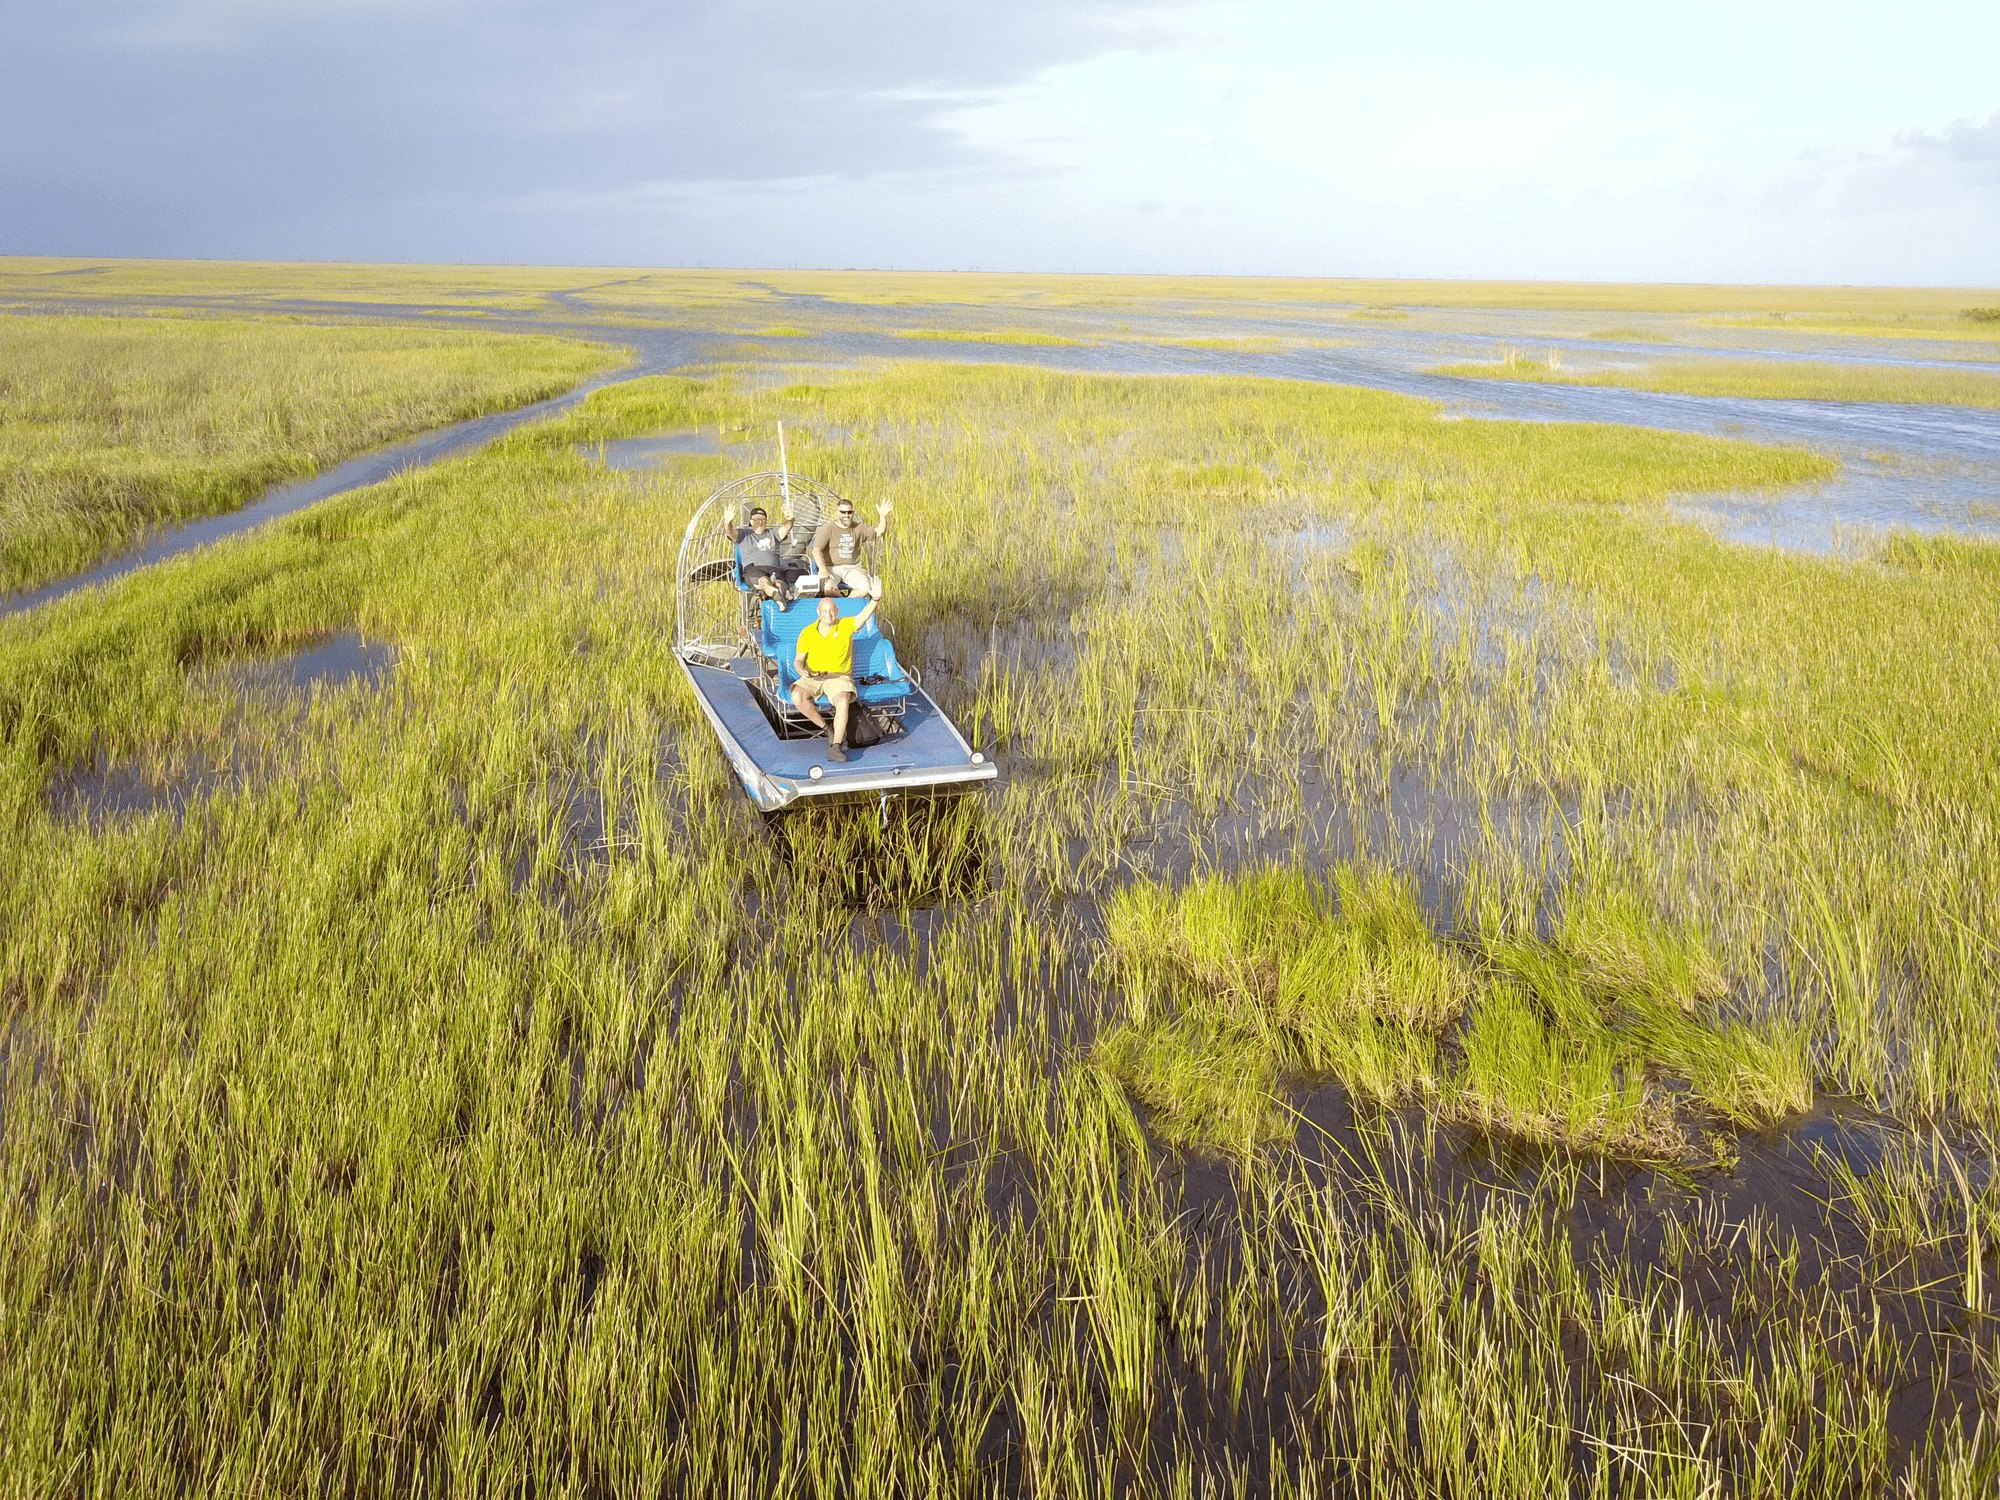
(43, 279)
(483, 1099)
(1021, 336)
(1233, 343)
(1583, 1042)
(1932, 325)
(1764, 380)
(110, 426)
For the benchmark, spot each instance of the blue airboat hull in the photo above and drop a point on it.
(930, 755)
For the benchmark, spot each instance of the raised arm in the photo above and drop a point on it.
(882, 517)
(874, 598)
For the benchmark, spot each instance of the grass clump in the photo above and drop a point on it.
(1379, 959)
(1622, 947)
(1202, 1083)
(1582, 1041)
(1933, 325)
(1524, 1074)
(1637, 993)
(1949, 557)
(1282, 976)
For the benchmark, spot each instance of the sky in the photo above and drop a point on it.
(1699, 141)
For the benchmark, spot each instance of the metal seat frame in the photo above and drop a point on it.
(708, 628)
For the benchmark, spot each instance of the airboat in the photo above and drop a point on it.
(739, 649)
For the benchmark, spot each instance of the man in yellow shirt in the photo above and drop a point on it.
(825, 664)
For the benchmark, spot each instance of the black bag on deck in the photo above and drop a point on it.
(862, 730)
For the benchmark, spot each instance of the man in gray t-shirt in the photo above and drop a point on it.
(838, 543)
(757, 555)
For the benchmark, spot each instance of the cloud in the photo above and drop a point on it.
(1974, 143)
(1935, 175)
(1445, 137)
(226, 126)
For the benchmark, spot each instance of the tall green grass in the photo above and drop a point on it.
(472, 1095)
(110, 426)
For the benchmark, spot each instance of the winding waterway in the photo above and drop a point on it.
(1928, 468)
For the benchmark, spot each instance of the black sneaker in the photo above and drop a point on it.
(835, 752)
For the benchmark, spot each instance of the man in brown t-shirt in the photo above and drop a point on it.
(837, 548)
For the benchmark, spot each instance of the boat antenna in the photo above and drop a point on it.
(784, 471)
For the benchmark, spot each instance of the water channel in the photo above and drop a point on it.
(1926, 468)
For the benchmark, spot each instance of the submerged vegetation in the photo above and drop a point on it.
(111, 425)
(989, 336)
(1421, 867)
(1788, 380)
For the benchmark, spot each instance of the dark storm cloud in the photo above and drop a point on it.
(246, 126)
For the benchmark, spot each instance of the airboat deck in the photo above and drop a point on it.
(738, 654)
(929, 754)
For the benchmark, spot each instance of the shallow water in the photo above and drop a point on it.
(106, 790)
(339, 659)
(1713, 1233)
(1928, 468)
(651, 452)
(1848, 514)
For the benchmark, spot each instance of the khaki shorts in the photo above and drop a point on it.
(853, 577)
(834, 687)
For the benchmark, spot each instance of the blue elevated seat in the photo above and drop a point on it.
(879, 679)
